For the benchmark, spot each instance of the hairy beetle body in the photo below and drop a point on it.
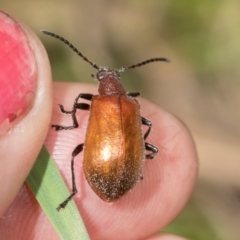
(114, 146)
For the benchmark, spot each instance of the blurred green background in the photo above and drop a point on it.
(201, 85)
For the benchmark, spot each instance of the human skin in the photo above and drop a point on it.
(168, 179)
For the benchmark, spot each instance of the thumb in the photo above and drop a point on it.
(25, 104)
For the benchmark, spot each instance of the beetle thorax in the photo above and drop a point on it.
(109, 82)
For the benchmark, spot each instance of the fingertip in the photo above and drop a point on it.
(168, 179)
(25, 103)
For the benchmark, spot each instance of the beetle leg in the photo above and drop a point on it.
(75, 152)
(87, 96)
(76, 105)
(148, 123)
(148, 146)
(133, 94)
(83, 106)
(151, 148)
(63, 110)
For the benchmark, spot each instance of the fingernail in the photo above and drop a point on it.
(17, 73)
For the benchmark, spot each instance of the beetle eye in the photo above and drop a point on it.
(101, 74)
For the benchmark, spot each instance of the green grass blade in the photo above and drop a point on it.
(49, 189)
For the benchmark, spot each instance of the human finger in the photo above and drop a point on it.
(25, 104)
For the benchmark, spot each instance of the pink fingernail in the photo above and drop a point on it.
(17, 73)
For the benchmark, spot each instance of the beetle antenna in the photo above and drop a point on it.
(145, 62)
(71, 46)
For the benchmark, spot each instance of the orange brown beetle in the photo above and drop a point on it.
(114, 145)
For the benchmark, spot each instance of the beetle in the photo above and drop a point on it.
(114, 148)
